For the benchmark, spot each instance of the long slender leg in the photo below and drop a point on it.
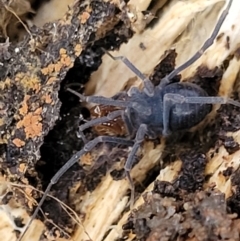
(211, 100)
(128, 165)
(74, 159)
(82, 136)
(200, 52)
(110, 116)
(100, 99)
(149, 88)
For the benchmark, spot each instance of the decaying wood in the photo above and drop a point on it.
(196, 172)
(31, 73)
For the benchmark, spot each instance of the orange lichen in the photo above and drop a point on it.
(49, 69)
(86, 159)
(18, 143)
(84, 17)
(58, 67)
(45, 71)
(62, 51)
(29, 82)
(51, 80)
(65, 59)
(24, 109)
(34, 129)
(38, 111)
(47, 99)
(31, 124)
(5, 83)
(78, 49)
(52, 68)
(22, 167)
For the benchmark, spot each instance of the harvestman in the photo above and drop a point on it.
(152, 112)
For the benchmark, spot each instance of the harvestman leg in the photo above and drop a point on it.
(171, 99)
(140, 136)
(74, 159)
(149, 88)
(200, 52)
(100, 100)
(100, 120)
(110, 116)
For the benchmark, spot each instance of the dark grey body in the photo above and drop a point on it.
(149, 110)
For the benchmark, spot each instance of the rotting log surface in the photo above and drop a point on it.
(31, 77)
(204, 159)
(31, 74)
(185, 203)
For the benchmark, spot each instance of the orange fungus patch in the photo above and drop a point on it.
(31, 124)
(19, 143)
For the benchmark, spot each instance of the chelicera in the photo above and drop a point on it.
(152, 112)
(114, 127)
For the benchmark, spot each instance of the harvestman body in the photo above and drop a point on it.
(154, 111)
